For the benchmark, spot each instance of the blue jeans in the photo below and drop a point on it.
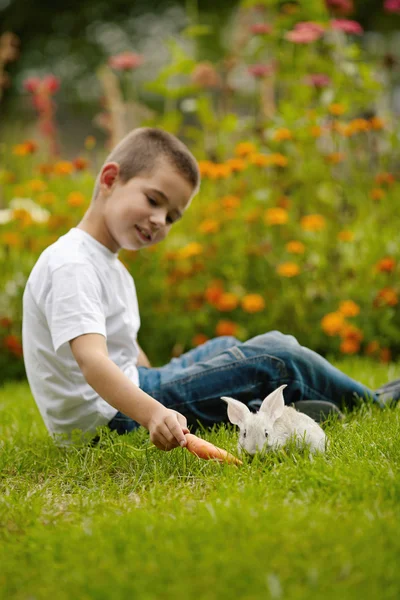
(194, 383)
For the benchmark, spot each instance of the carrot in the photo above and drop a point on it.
(207, 451)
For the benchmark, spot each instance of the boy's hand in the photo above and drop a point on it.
(167, 428)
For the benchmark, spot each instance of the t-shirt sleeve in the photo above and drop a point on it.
(74, 305)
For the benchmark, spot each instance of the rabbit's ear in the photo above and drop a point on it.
(237, 411)
(274, 404)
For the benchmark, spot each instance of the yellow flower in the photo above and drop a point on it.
(245, 148)
(63, 167)
(348, 308)
(288, 269)
(295, 247)
(276, 216)
(47, 198)
(333, 323)
(345, 236)
(282, 134)
(192, 249)
(313, 222)
(336, 109)
(209, 226)
(253, 303)
(23, 216)
(76, 199)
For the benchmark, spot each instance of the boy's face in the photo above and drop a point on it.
(141, 212)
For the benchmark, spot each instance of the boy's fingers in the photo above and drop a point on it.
(176, 429)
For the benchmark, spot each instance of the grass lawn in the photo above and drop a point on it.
(125, 520)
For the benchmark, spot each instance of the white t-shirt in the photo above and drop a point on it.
(77, 286)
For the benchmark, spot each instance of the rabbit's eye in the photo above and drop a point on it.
(265, 433)
(244, 433)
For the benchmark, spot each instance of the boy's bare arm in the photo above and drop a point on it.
(142, 360)
(166, 427)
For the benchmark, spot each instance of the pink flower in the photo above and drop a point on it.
(318, 80)
(51, 84)
(260, 28)
(125, 61)
(343, 7)
(392, 6)
(260, 71)
(347, 26)
(305, 33)
(31, 84)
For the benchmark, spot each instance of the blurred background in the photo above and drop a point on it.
(73, 39)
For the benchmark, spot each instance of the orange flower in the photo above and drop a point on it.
(13, 345)
(209, 226)
(313, 223)
(358, 125)
(349, 346)
(348, 308)
(276, 216)
(199, 339)
(47, 198)
(260, 160)
(23, 216)
(192, 249)
(282, 134)
(63, 167)
(279, 160)
(214, 292)
(372, 348)
(386, 297)
(12, 239)
(253, 303)
(27, 147)
(36, 185)
(335, 158)
(45, 169)
(337, 109)
(351, 332)
(283, 202)
(236, 164)
(245, 148)
(345, 236)
(384, 178)
(5, 322)
(295, 247)
(385, 355)
(288, 269)
(227, 302)
(386, 265)
(316, 131)
(205, 167)
(230, 202)
(333, 323)
(377, 123)
(226, 328)
(205, 75)
(80, 163)
(377, 193)
(75, 199)
(219, 171)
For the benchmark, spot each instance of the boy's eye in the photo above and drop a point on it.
(152, 202)
(169, 220)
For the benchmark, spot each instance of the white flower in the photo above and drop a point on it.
(38, 214)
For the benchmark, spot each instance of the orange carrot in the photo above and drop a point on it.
(207, 451)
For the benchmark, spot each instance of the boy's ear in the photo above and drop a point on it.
(109, 174)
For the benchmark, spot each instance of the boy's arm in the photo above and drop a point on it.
(142, 360)
(166, 427)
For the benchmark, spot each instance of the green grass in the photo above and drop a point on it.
(125, 520)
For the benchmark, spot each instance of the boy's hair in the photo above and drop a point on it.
(140, 151)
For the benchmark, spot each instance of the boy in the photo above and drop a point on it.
(81, 318)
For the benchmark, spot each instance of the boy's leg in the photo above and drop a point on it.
(250, 370)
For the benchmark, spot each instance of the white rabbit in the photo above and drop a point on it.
(273, 425)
